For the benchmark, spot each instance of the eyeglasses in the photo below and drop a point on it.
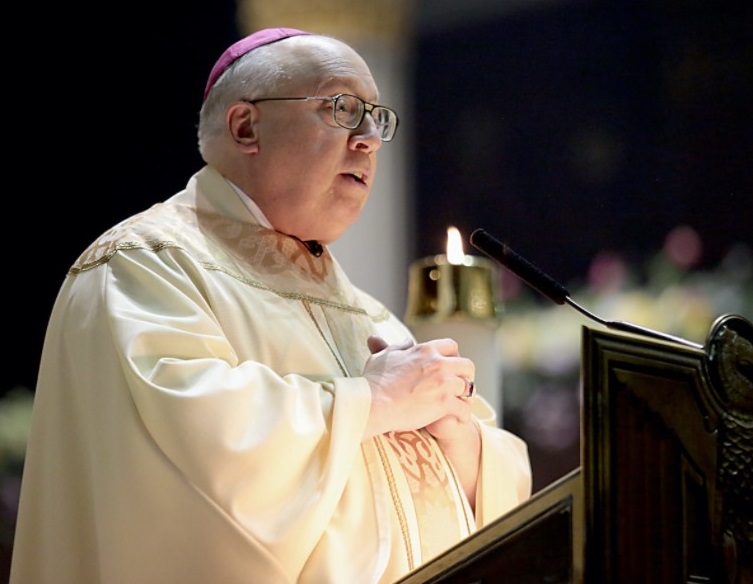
(348, 112)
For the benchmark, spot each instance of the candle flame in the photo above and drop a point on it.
(455, 253)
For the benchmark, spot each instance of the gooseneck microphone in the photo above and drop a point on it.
(552, 289)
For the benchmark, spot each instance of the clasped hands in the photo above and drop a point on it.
(419, 385)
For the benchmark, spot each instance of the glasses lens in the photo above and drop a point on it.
(386, 122)
(348, 111)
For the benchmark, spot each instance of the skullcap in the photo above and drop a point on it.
(245, 45)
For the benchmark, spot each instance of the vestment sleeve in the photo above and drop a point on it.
(505, 479)
(233, 391)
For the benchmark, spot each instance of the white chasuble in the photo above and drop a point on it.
(199, 416)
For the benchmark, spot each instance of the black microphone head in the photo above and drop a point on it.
(525, 270)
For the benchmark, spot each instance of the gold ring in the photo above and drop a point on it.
(470, 388)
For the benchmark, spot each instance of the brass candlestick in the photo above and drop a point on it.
(439, 290)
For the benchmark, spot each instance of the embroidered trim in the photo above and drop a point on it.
(381, 317)
(396, 501)
(122, 246)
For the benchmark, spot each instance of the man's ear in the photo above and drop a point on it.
(241, 120)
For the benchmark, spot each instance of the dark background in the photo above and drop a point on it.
(588, 126)
(563, 130)
(110, 129)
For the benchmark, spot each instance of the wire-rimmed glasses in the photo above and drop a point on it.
(349, 110)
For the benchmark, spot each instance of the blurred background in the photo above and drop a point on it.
(609, 142)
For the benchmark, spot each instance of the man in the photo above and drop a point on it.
(217, 403)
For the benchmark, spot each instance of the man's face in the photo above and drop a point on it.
(316, 175)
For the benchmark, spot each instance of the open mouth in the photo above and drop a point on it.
(357, 176)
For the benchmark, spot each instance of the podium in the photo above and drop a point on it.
(664, 492)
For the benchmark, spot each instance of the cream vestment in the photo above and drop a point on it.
(199, 414)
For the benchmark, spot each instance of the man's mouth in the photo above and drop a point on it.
(358, 176)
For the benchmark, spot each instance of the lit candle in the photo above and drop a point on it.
(457, 296)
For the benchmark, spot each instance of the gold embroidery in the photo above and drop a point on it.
(258, 257)
(397, 503)
(435, 492)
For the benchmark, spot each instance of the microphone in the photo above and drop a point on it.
(553, 290)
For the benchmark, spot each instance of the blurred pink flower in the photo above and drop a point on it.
(607, 272)
(683, 246)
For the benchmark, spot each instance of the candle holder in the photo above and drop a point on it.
(461, 301)
(439, 290)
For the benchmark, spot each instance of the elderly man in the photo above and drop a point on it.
(217, 403)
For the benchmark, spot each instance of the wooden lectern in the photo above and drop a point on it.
(664, 492)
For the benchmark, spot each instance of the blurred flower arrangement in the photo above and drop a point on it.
(15, 419)
(540, 342)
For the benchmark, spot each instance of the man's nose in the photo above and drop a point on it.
(367, 134)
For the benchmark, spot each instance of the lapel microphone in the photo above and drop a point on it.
(556, 292)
